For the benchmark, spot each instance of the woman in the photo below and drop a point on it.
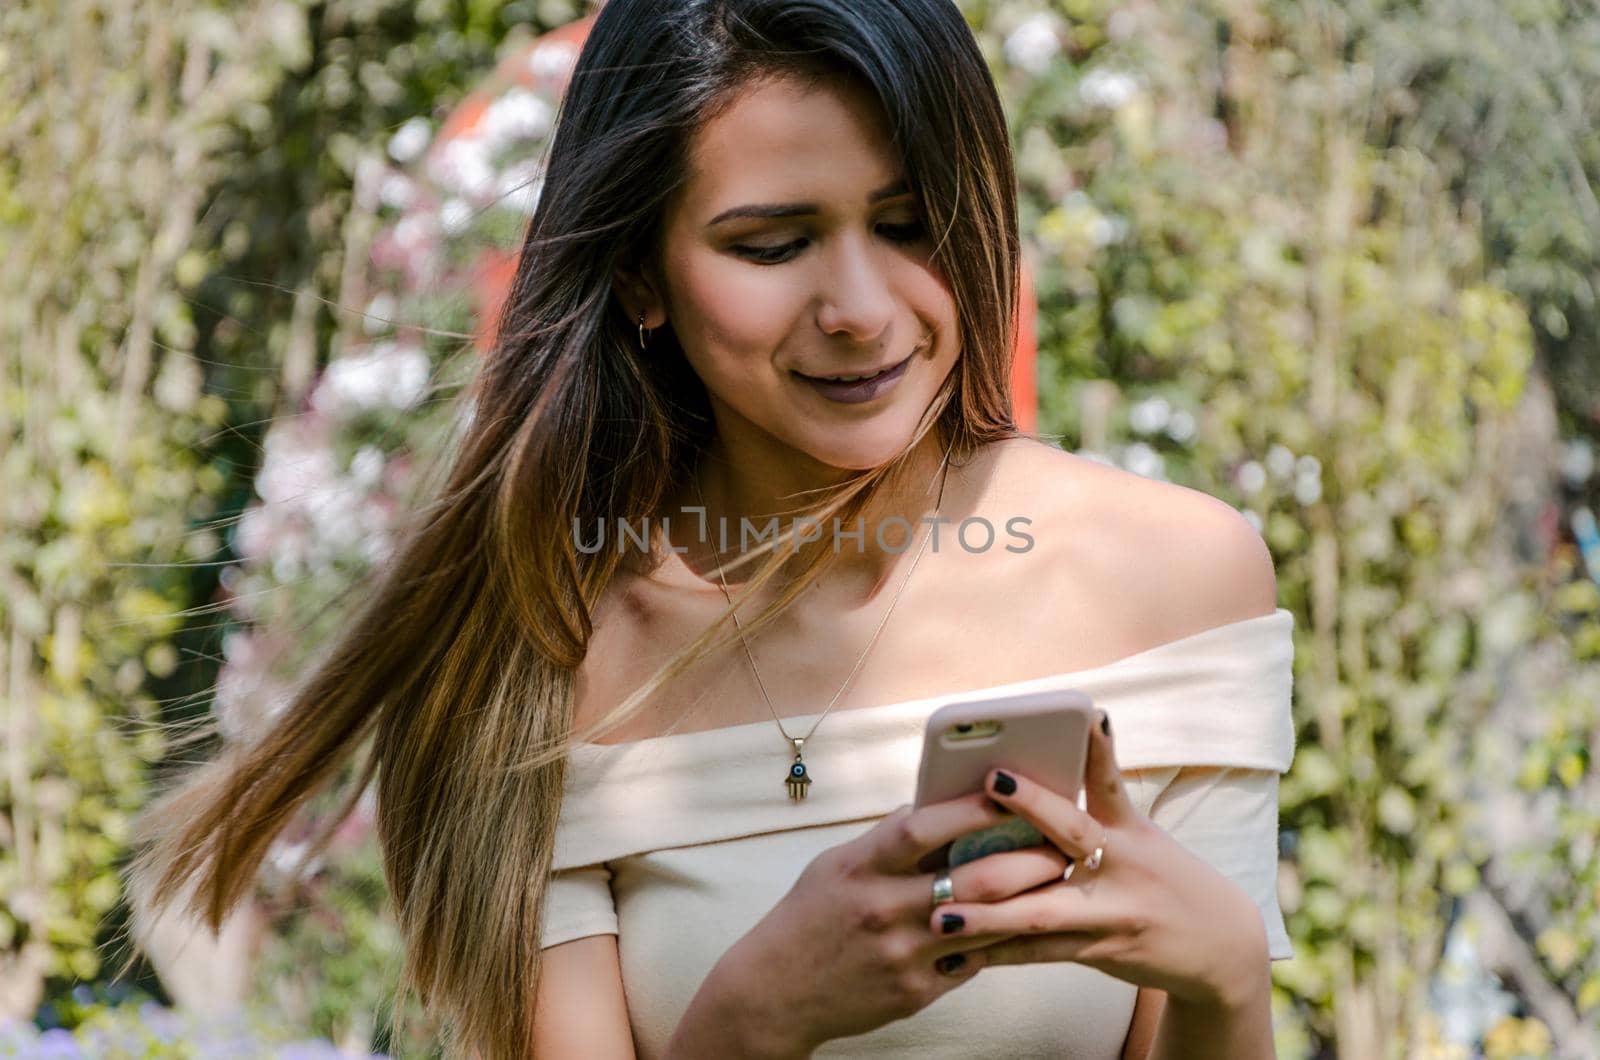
(577, 759)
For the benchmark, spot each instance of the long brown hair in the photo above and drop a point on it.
(451, 685)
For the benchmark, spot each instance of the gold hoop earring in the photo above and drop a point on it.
(642, 331)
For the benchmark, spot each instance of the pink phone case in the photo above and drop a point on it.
(1042, 735)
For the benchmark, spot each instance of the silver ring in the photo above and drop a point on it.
(943, 889)
(1091, 862)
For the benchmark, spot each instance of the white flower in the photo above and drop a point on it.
(462, 166)
(376, 549)
(410, 140)
(1150, 415)
(387, 374)
(247, 697)
(1577, 462)
(1181, 427)
(1107, 88)
(366, 467)
(1141, 459)
(292, 466)
(396, 190)
(287, 34)
(357, 381)
(551, 60)
(252, 536)
(520, 185)
(1035, 41)
(230, 703)
(1280, 461)
(1106, 229)
(413, 231)
(284, 856)
(336, 521)
(287, 567)
(410, 379)
(237, 647)
(372, 517)
(1308, 466)
(1308, 489)
(1251, 476)
(379, 315)
(516, 116)
(454, 215)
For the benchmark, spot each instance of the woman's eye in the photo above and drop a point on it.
(906, 233)
(769, 255)
(896, 233)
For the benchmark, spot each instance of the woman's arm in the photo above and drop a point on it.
(723, 1019)
(580, 1009)
(1147, 1009)
(1235, 1028)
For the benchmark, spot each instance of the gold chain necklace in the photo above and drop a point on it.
(797, 780)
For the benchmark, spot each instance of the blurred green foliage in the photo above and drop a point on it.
(101, 405)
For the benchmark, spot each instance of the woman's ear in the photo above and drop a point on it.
(638, 294)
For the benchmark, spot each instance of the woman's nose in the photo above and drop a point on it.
(856, 299)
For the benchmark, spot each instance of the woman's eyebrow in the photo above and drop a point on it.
(801, 209)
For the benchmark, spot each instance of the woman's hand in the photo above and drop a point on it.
(1153, 913)
(848, 949)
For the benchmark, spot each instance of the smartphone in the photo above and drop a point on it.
(1043, 735)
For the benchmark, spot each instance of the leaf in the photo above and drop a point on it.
(1589, 993)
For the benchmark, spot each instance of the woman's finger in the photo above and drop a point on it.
(1056, 908)
(965, 956)
(990, 879)
(909, 834)
(1058, 817)
(1041, 949)
(1106, 795)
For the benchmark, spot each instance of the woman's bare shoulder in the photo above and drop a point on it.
(1181, 559)
(621, 623)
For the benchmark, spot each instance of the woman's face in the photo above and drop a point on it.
(795, 251)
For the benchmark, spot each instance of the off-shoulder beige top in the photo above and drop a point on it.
(680, 843)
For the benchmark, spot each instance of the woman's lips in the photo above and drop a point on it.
(862, 389)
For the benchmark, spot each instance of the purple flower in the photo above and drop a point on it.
(56, 1044)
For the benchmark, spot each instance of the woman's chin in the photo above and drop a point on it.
(861, 454)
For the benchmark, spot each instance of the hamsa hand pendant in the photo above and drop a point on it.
(797, 781)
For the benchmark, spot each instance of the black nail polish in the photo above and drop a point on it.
(950, 962)
(1105, 724)
(1004, 784)
(952, 922)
